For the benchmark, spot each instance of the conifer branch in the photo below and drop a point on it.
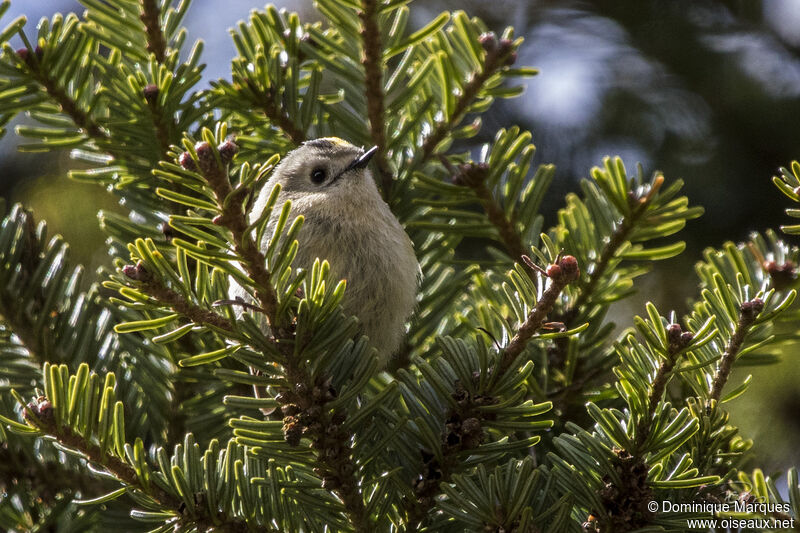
(156, 44)
(160, 122)
(463, 431)
(68, 106)
(43, 480)
(234, 218)
(152, 287)
(748, 313)
(473, 175)
(373, 70)
(127, 475)
(498, 55)
(30, 259)
(677, 340)
(618, 238)
(266, 102)
(561, 275)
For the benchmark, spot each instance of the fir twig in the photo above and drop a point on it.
(160, 121)
(618, 238)
(275, 113)
(677, 340)
(304, 406)
(748, 312)
(233, 217)
(156, 44)
(68, 106)
(498, 56)
(561, 275)
(127, 475)
(373, 70)
(152, 287)
(473, 175)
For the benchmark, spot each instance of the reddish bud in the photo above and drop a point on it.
(23, 54)
(674, 332)
(186, 161)
(488, 41)
(782, 276)
(205, 156)
(151, 94)
(42, 408)
(217, 220)
(569, 268)
(752, 308)
(553, 272)
(136, 272)
(512, 58)
(227, 151)
(505, 46)
(686, 338)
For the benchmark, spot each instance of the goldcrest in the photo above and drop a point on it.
(348, 223)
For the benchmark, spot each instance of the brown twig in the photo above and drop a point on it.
(68, 106)
(268, 103)
(748, 313)
(127, 475)
(498, 55)
(677, 340)
(156, 44)
(474, 175)
(233, 217)
(618, 238)
(152, 287)
(373, 70)
(560, 276)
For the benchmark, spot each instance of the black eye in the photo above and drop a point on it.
(318, 175)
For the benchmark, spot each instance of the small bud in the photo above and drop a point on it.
(217, 220)
(569, 268)
(488, 41)
(554, 272)
(686, 338)
(151, 94)
(674, 333)
(186, 161)
(23, 54)
(512, 58)
(41, 407)
(205, 156)
(752, 308)
(38, 52)
(782, 276)
(227, 151)
(136, 272)
(45, 411)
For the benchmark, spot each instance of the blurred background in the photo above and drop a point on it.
(705, 91)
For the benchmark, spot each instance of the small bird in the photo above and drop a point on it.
(348, 223)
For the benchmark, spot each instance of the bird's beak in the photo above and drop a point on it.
(362, 160)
